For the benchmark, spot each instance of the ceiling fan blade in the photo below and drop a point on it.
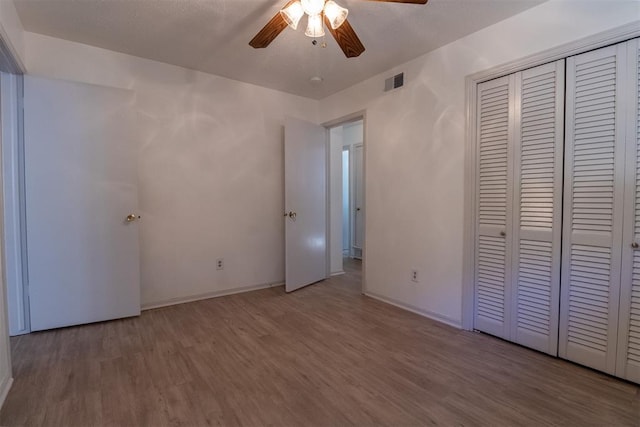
(346, 38)
(269, 32)
(403, 1)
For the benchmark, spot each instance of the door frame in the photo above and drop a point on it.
(350, 148)
(472, 81)
(12, 129)
(14, 209)
(340, 121)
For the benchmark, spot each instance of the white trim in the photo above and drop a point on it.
(327, 201)
(592, 42)
(12, 182)
(9, 59)
(349, 118)
(207, 295)
(424, 313)
(4, 390)
(337, 273)
(364, 201)
(563, 51)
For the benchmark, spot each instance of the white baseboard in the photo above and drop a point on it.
(425, 313)
(199, 297)
(4, 389)
(337, 273)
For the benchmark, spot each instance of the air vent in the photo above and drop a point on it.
(394, 82)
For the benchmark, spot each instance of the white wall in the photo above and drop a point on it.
(210, 168)
(415, 149)
(211, 158)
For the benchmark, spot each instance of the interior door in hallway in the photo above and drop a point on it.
(81, 201)
(305, 166)
(358, 201)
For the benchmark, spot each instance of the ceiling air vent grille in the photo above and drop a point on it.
(394, 82)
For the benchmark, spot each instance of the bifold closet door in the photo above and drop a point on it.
(538, 153)
(520, 142)
(494, 191)
(628, 363)
(593, 207)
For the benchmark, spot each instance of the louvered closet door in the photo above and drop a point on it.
(493, 210)
(628, 364)
(593, 201)
(538, 144)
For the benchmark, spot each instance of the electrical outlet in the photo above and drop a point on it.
(220, 264)
(414, 276)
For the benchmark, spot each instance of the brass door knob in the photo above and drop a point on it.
(132, 217)
(292, 215)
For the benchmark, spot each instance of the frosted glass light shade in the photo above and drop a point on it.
(335, 13)
(292, 14)
(313, 7)
(314, 26)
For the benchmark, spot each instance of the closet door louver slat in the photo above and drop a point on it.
(538, 206)
(628, 361)
(493, 208)
(593, 202)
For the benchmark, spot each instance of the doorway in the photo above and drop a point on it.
(347, 207)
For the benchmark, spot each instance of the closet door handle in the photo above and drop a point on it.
(635, 245)
(503, 233)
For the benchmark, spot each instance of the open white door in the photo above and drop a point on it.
(305, 166)
(80, 174)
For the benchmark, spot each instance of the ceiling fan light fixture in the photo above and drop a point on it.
(335, 13)
(313, 7)
(292, 14)
(314, 26)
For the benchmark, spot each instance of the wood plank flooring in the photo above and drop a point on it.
(322, 356)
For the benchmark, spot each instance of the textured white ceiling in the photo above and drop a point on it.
(213, 35)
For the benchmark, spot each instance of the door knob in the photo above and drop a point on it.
(132, 217)
(635, 245)
(291, 215)
(503, 233)
(357, 209)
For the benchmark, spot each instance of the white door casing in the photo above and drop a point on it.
(81, 183)
(305, 165)
(13, 202)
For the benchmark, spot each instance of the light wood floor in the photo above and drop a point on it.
(324, 355)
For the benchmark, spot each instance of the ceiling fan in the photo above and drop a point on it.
(318, 12)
